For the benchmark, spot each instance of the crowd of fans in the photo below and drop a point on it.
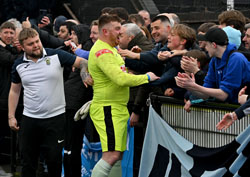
(210, 63)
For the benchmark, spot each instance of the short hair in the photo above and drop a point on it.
(185, 32)
(136, 18)
(7, 25)
(120, 12)
(247, 26)
(204, 27)
(175, 18)
(105, 19)
(199, 55)
(233, 18)
(145, 11)
(68, 25)
(26, 33)
(15, 22)
(94, 23)
(82, 32)
(132, 29)
(247, 20)
(162, 18)
(106, 10)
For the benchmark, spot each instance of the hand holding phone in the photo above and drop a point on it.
(73, 45)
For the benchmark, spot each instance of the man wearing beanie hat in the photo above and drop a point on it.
(228, 70)
(58, 22)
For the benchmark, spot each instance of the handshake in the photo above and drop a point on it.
(83, 111)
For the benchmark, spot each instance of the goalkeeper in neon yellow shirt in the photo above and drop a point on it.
(111, 93)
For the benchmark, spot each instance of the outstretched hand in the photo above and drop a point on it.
(164, 55)
(152, 76)
(128, 54)
(227, 120)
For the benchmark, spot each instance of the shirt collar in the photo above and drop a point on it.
(44, 55)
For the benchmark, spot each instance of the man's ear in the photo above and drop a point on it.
(214, 44)
(131, 37)
(105, 31)
(168, 28)
(183, 41)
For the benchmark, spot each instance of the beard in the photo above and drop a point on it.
(114, 40)
(36, 55)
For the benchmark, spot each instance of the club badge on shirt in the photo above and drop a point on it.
(47, 61)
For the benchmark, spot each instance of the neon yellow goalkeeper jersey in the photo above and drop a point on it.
(111, 80)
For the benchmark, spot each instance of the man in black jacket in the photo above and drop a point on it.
(76, 94)
(160, 30)
(8, 54)
(131, 35)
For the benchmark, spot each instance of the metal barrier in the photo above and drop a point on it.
(199, 126)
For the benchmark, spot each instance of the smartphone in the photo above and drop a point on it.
(73, 45)
(43, 12)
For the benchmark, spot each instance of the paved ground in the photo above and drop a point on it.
(5, 171)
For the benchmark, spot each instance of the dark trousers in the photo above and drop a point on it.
(73, 144)
(4, 132)
(45, 137)
(6, 138)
